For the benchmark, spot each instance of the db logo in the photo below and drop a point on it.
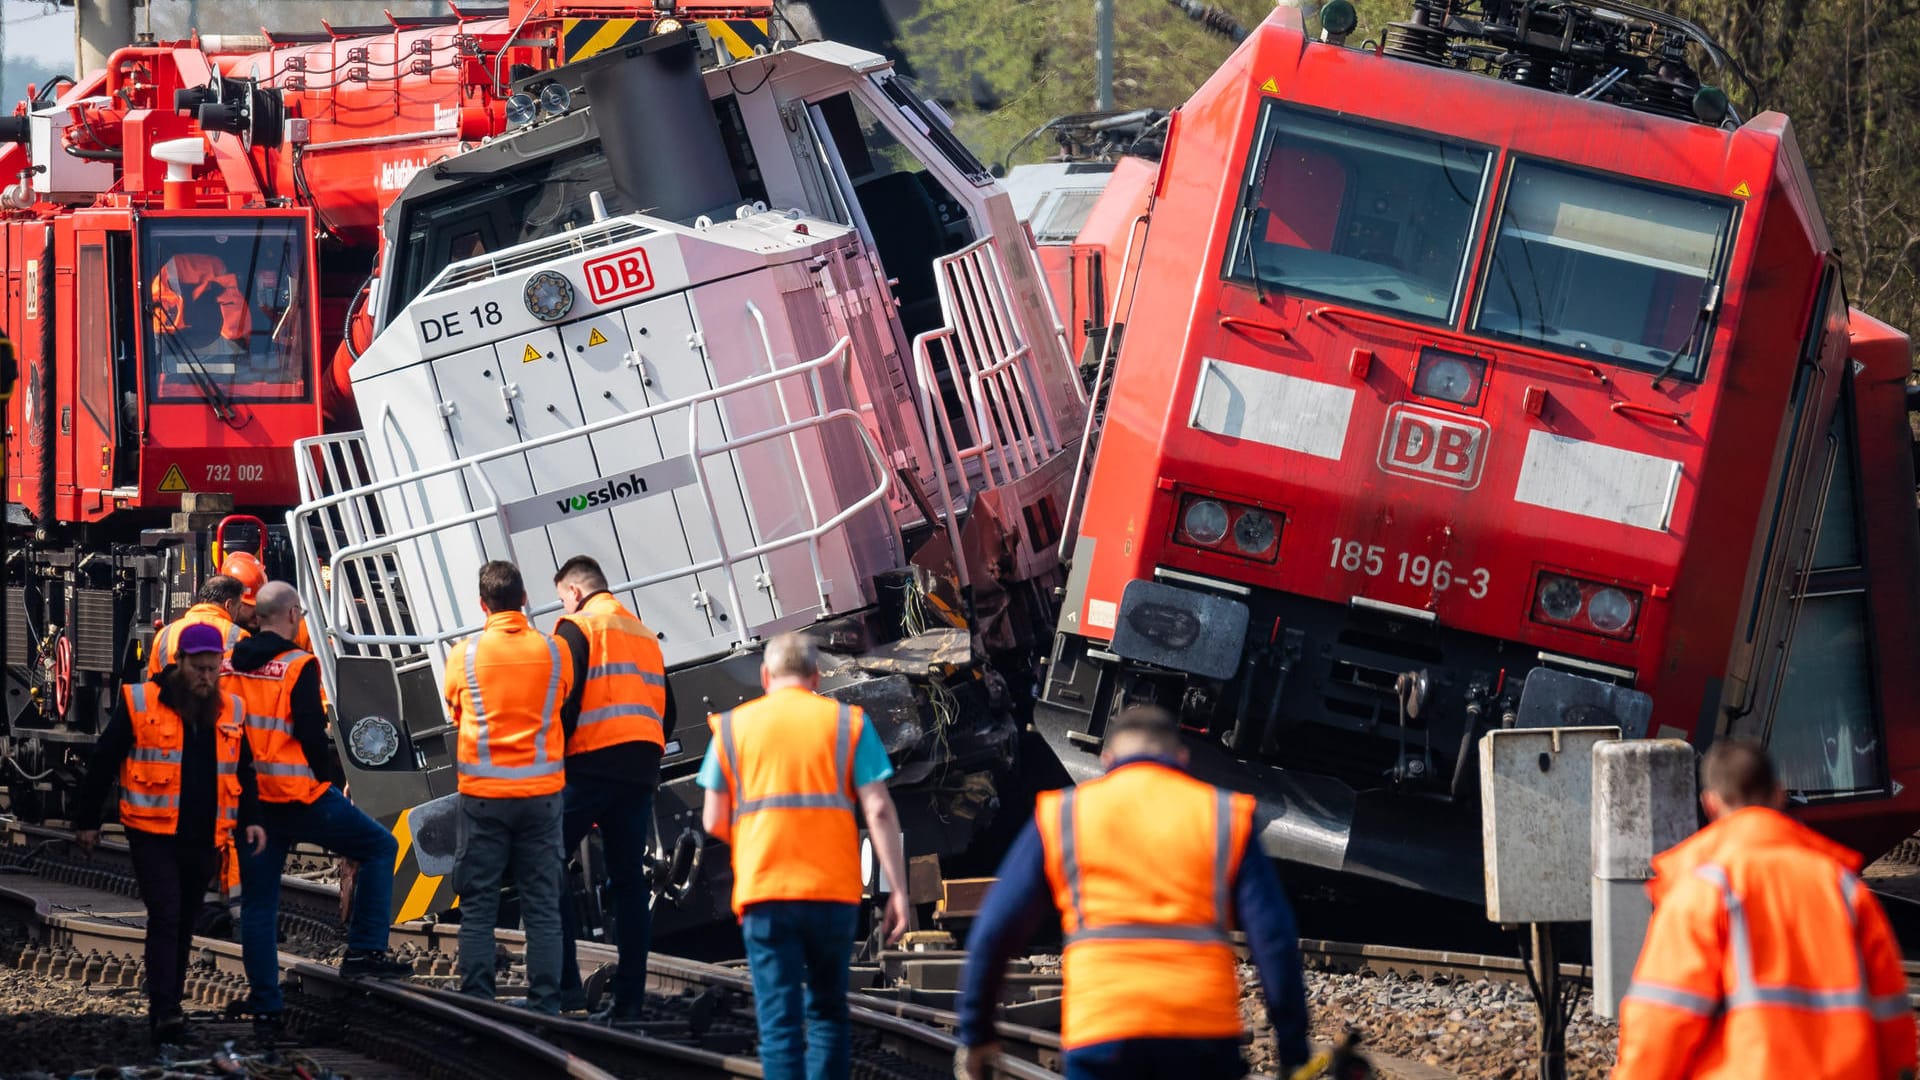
(618, 276)
(1433, 446)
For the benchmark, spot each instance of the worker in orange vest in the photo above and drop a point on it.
(1767, 956)
(176, 746)
(783, 774)
(504, 688)
(218, 604)
(1146, 868)
(300, 800)
(616, 722)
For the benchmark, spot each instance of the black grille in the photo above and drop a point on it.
(19, 633)
(95, 625)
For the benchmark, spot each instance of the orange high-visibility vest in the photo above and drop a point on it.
(189, 277)
(1766, 958)
(625, 697)
(505, 685)
(150, 775)
(788, 761)
(1147, 954)
(279, 761)
(210, 614)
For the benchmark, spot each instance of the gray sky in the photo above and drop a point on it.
(39, 43)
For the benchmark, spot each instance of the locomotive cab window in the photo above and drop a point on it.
(1605, 268)
(1356, 213)
(226, 309)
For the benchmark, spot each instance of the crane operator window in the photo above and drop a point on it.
(1606, 269)
(1357, 213)
(226, 309)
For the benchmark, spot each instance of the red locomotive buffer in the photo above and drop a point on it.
(1451, 403)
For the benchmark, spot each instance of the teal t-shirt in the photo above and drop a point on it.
(870, 764)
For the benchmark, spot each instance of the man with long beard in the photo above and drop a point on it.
(177, 746)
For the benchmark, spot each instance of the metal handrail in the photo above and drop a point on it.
(387, 545)
(723, 561)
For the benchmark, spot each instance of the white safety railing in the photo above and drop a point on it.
(363, 608)
(990, 366)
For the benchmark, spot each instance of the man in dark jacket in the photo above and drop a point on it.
(177, 748)
(300, 800)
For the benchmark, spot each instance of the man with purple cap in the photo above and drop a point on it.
(177, 745)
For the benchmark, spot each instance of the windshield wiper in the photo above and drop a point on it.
(1708, 304)
(203, 379)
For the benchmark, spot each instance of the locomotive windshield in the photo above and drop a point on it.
(1603, 267)
(1357, 213)
(226, 309)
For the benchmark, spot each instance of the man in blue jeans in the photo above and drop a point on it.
(782, 775)
(298, 800)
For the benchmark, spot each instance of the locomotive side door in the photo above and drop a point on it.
(105, 420)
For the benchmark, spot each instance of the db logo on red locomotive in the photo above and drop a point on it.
(1433, 446)
(618, 276)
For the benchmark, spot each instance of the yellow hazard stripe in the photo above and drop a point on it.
(419, 898)
(421, 890)
(581, 38)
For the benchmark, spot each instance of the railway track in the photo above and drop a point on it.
(77, 918)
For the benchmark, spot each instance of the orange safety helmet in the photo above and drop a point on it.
(248, 571)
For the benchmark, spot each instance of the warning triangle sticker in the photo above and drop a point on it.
(1269, 87)
(595, 337)
(1740, 189)
(175, 480)
(530, 355)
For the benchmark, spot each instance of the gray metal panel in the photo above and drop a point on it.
(483, 418)
(650, 537)
(1536, 794)
(676, 367)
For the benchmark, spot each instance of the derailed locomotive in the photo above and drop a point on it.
(852, 414)
(1522, 400)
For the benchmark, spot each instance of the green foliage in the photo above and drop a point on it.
(1847, 74)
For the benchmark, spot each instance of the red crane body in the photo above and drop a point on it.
(187, 241)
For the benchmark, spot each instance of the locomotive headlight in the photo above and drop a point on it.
(1225, 527)
(1254, 533)
(1610, 611)
(1205, 521)
(521, 110)
(555, 99)
(1446, 376)
(1591, 607)
(1559, 598)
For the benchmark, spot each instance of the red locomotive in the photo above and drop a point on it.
(187, 241)
(1494, 375)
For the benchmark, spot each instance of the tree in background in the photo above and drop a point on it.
(1847, 73)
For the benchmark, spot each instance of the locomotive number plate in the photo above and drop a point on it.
(1420, 571)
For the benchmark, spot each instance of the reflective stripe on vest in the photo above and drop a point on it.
(1747, 991)
(614, 712)
(838, 799)
(652, 678)
(1222, 867)
(543, 764)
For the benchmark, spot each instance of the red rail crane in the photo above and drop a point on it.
(186, 237)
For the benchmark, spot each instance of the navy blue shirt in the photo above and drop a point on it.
(1022, 900)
